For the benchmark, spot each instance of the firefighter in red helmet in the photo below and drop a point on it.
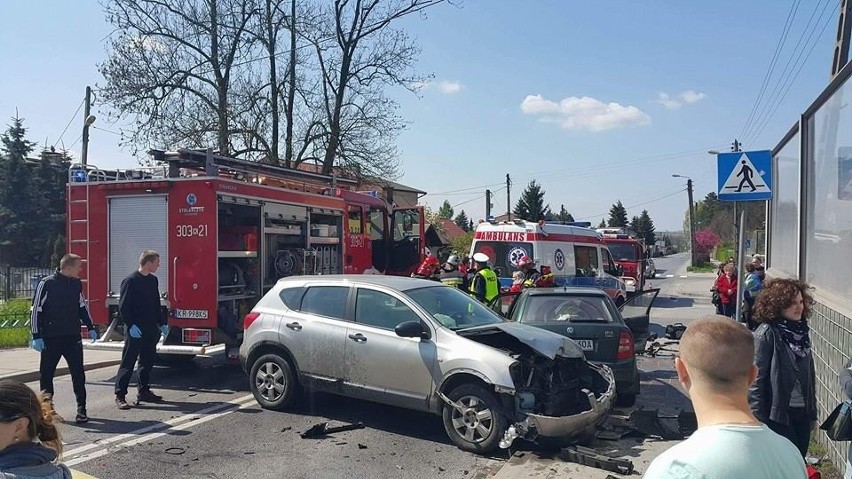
(531, 275)
(428, 269)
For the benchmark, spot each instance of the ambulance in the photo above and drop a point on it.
(576, 254)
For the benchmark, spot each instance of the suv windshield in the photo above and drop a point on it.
(452, 308)
(622, 251)
(550, 309)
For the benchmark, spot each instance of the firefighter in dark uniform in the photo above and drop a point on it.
(59, 308)
(485, 285)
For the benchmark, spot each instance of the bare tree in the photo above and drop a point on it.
(171, 66)
(367, 55)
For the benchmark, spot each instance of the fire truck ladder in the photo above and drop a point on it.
(80, 173)
(213, 165)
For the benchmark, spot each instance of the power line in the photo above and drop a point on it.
(765, 113)
(756, 134)
(794, 7)
(482, 196)
(69, 123)
(634, 206)
(108, 131)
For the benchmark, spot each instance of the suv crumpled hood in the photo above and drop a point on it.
(546, 343)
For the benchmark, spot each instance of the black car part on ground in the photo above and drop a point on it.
(321, 430)
(592, 458)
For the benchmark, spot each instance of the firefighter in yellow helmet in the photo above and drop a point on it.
(485, 285)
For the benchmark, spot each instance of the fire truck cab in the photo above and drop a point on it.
(628, 252)
(576, 254)
(226, 231)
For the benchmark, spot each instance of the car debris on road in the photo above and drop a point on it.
(321, 430)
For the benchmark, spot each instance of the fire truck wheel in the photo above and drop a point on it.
(273, 382)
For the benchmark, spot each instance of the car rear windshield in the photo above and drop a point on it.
(549, 309)
(452, 308)
(624, 252)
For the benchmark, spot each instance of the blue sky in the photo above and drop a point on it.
(596, 100)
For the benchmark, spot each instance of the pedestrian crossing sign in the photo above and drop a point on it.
(745, 175)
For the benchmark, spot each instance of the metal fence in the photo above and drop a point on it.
(16, 282)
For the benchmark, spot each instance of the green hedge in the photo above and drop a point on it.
(19, 336)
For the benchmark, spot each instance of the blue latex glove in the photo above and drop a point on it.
(165, 330)
(135, 332)
(37, 344)
(93, 335)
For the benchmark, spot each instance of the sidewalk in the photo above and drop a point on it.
(21, 364)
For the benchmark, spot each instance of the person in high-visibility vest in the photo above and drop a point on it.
(485, 285)
(450, 274)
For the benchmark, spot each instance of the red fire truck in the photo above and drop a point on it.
(226, 230)
(629, 252)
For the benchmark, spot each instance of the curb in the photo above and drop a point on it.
(30, 376)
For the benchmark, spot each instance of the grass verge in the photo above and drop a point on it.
(826, 468)
(14, 337)
(702, 268)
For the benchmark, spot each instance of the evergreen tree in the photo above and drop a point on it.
(16, 208)
(634, 224)
(470, 226)
(646, 225)
(59, 250)
(462, 221)
(617, 216)
(531, 205)
(602, 223)
(445, 211)
(564, 216)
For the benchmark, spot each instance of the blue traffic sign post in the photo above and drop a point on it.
(744, 176)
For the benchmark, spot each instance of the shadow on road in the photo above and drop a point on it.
(390, 419)
(670, 302)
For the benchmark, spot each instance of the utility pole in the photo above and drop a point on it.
(509, 196)
(84, 155)
(735, 147)
(487, 204)
(691, 222)
(841, 43)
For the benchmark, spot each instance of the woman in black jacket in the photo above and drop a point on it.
(784, 394)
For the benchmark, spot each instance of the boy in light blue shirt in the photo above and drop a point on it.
(716, 367)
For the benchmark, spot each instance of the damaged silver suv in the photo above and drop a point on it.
(421, 345)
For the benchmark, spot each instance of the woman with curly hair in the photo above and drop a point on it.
(784, 394)
(29, 442)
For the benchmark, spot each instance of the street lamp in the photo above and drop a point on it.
(88, 119)
(691, 218)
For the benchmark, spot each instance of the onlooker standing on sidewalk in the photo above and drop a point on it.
(715, 368)
(784, 394)
(29, 441)
(726, 285)
(139, 306)
(751, 288)
(846, 384)
(59, 309)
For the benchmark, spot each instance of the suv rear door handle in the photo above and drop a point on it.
(294, 326)
(358, 338)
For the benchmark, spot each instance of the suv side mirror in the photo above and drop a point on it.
(411, 329)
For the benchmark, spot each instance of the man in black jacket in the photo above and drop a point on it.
(59, 308)
(139, 306)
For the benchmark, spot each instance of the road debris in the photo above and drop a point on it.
(321, 430)
(286, 428)
(592, 458)
(362, 446)
(175, 451)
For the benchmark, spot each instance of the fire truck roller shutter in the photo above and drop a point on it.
(137, 223)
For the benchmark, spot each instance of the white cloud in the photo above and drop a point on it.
(668, 102)
(675, 102)
(444, 86)
(584, 113)
(692, 96)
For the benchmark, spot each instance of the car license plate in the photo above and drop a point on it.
(190, 314)
(586, 344)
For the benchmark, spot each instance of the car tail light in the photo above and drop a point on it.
(625, 346)
(197, 336)
(249, 319)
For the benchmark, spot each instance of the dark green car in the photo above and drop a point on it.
(607, 334)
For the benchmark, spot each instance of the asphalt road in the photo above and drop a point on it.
(210, 426)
